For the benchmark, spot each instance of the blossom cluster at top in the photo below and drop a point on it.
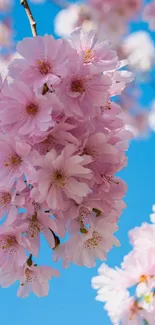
(129, 292)
(111, 19)
(62, 141)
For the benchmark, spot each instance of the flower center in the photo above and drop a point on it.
(44, 67)
(29, 276)
(59, 177)
(77, 86)
(32, 109)
(94, 241)
(88, 56)
(5, 198)
(13, 161)
(9, 242)
(143, 278)
(37, 206)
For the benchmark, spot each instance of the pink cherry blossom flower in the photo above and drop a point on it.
(79, 216)
(139, 268)
(43, 61)
(12, 246)
(98, 54)
(35, 278)
(119, 80)
(40, 223)
(82, 91)
(83, 249)
(58, 177)
(14, 160)
(5, 200)
(23, 111)
(10, 199)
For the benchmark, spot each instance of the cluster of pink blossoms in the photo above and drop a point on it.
(129, 292)
(110, 19)
(62, 141)
(113, 15)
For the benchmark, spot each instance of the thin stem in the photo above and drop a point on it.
(56, 239)
(29, 261)
(32, 22)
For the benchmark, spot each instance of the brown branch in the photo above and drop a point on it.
(32, 22)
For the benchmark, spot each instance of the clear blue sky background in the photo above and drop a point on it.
(71, 300)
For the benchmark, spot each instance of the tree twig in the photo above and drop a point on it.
(32, 22)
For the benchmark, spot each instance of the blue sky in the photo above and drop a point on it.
(71, 300)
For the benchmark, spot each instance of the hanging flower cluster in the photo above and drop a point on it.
(112, 19)
(62, 141)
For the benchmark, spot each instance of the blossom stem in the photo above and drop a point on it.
(29, 260)
(32, 22)
(56, 238)
(45, 89)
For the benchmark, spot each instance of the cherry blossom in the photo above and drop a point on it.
(57, 177)
(30, 113)
(12, 246)
(13, 158)
(44, 62)
(35, 278)
(137, 271)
